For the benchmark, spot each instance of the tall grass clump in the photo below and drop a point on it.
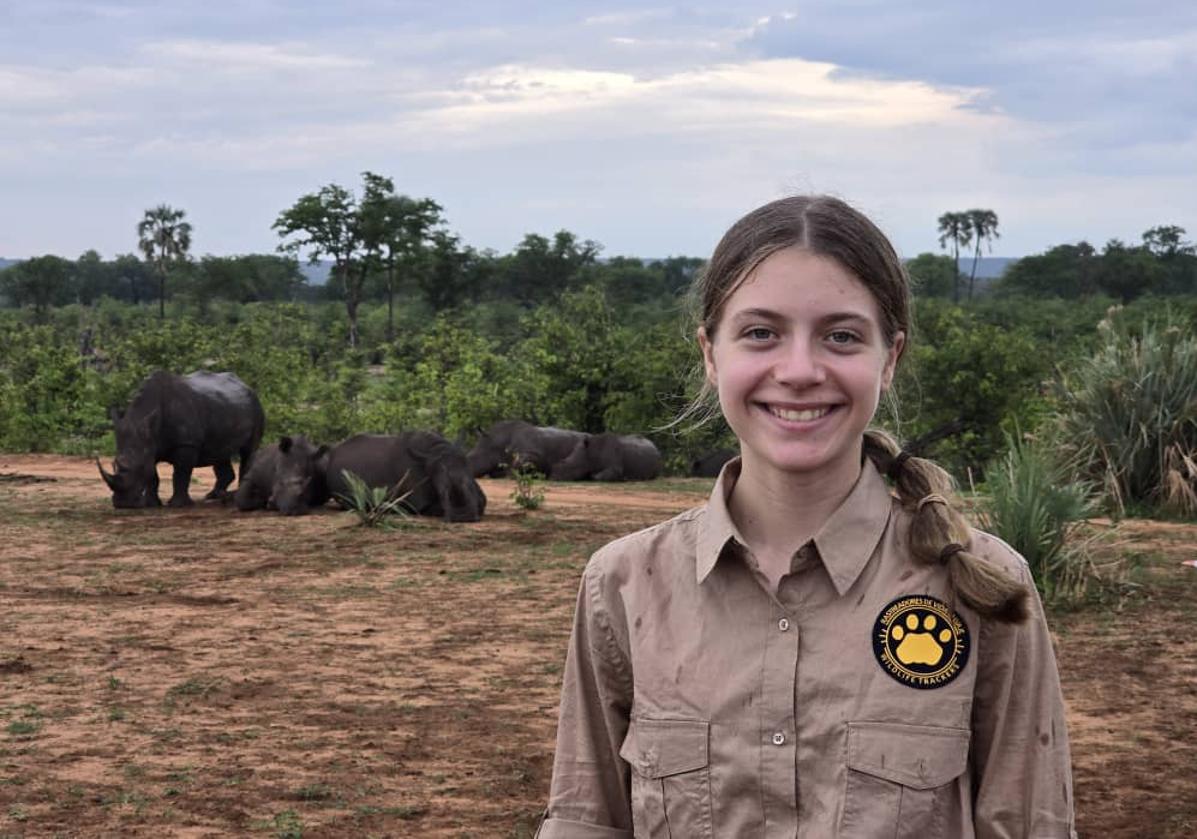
(1128, 416)
(1034, 507)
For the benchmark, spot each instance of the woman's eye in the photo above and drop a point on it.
(759, 333)
(843, 336)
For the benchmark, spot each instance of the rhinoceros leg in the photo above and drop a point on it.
(611, 473)
(151, 490)
(181, 480)
(224, 477)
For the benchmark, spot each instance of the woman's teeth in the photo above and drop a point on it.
(799, 416)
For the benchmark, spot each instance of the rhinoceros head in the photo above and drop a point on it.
(299, 480)
(132, 480)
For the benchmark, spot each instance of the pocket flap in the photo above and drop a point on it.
(659, 748)
(916, 756)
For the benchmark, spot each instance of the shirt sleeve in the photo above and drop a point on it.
(1022, 772)
(590, 796)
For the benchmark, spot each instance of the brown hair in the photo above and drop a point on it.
(830, 228)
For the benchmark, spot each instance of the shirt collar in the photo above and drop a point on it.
(845, 541)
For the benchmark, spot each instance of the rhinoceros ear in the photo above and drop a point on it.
(321, 452)
(284, 444)
(115, 414)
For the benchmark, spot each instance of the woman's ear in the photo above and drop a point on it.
(708, 356)
(891, 360)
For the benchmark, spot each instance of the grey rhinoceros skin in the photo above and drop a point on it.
(521, 443)
(288, 477)
(710, 465)
(432, 470)
(610, 457)
(201, 419)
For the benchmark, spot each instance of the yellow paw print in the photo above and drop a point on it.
(920, 647)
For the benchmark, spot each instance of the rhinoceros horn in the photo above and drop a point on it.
(109, 478)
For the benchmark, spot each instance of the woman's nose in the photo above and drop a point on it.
(799, 365)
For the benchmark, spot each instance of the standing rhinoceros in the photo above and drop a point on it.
(424, 464)
(289, 477)
(610, 457)
(516, 441)
(201, 419)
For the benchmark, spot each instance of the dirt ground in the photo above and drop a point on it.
(202, 673)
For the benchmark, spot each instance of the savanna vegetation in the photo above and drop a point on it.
(415, 329)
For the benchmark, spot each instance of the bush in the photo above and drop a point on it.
(1128, 415)
(1036, 509)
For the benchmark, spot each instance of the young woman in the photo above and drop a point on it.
(815, 652)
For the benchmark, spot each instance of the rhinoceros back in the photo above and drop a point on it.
(224, 414)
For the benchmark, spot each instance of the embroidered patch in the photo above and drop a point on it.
(921, 642)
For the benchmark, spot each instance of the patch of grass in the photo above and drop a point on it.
(117, 714)
(195, 688)
(314, 792)
(405, 812)
(286, 825)
(113, 683)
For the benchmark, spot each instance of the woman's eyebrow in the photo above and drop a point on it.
(757, 314)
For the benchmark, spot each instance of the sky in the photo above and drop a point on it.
(647, 128)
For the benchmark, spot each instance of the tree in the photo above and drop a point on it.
(43, 281)
(1127, 272)
(931, 275)
(540, 270)
(402, 228)
(984, 230)
(1165, 241)
(957, 229)
(1065, 271)
(164, 238)
(327, 224)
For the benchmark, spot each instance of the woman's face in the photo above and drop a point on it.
(799, 361)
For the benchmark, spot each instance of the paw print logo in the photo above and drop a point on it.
(921, 642)
(925, 647)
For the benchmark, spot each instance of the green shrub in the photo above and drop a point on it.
(528, 493)
(1034, 507)
(1128, 415)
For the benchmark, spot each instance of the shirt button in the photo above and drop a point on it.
(779, 739)
(783, 624)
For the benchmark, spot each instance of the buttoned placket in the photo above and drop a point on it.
(779, 736)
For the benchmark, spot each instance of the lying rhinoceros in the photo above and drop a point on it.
(201, 419)
(519, 442)
(432, 470)
(610, 457)
(289, 477)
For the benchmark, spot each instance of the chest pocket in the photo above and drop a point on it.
(671, 778)
(900, 779)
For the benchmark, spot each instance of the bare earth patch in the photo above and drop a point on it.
(202, 673)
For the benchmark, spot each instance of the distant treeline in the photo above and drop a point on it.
(444, 276)
(447, 275)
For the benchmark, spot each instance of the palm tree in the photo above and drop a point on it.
(983, 225)
(957, 229)
(164, 238)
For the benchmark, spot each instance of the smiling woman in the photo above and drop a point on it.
(814, 652)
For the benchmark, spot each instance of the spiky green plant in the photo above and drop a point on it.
(1128, 416)
(1036, 509)
(374, 506)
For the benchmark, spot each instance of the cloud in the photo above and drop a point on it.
(252, 57)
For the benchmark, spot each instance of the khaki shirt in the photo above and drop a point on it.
(861, 699)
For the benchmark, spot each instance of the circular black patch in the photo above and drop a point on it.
(921, 642)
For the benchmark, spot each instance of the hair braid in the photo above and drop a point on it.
(939, 533)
